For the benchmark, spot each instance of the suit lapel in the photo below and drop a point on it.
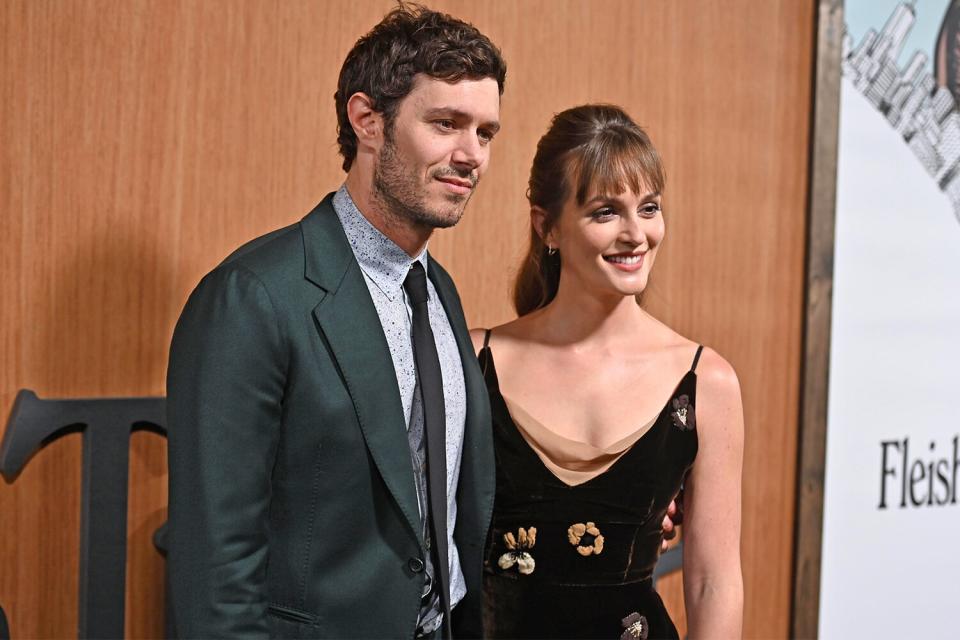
(477, 476)
(348, 320)
(477, 485)
(451, 305)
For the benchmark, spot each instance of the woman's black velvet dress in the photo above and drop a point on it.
(569, 595)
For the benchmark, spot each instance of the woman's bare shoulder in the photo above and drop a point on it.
(717, 376)
(676, 348)
(719, 404)
(506, 333)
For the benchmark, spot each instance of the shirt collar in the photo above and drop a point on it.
(380, 258)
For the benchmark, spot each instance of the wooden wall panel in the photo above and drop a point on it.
(141, 141)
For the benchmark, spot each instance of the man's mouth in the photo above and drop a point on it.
(460, 186)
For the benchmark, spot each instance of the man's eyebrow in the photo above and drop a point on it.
(459, 114)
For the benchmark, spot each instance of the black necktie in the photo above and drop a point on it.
(435, 425)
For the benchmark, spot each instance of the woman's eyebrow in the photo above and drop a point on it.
(603, 197)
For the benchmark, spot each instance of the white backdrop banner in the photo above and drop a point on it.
(891, 530)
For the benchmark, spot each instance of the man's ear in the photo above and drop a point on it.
(538, 218)
(367, 123)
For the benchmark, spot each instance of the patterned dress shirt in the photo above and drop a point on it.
(385, 266)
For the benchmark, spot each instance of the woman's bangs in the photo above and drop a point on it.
(610, 167)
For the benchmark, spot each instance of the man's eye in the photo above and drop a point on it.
(485, 136)
(444, 124)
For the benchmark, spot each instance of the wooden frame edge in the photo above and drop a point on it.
(824, 137)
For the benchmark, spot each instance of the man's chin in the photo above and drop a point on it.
(440, 222)
(440, 219)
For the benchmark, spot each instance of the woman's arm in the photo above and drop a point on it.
(712, 581)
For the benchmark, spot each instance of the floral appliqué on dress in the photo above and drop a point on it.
(519, 550)
(575, 534)
(683, 415)
(635, 627)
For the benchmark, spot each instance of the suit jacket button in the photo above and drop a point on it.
(415, 564)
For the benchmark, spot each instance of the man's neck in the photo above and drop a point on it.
(408, 236)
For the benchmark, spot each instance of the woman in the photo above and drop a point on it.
(601, 412)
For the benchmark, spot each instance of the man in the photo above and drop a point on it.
(331, 463)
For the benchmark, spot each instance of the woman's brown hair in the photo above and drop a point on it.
(590, 149)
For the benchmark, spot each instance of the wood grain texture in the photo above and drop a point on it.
(805, 613)
(142, 141)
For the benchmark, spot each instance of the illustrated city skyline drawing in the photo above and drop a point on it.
(919, 104)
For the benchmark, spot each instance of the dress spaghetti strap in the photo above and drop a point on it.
(484, 354)
(696, 358)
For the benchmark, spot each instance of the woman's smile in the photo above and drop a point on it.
(628, 262)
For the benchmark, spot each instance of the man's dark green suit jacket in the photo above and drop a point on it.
(293, 511)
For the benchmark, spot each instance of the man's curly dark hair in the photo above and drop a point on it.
(411, 39)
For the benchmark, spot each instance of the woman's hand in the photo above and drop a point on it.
(672, 520)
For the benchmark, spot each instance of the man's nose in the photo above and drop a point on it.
(469, 153)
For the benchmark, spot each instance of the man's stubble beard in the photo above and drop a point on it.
(403, 198)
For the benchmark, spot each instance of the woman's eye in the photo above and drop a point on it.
(651, 209)
(603, 214)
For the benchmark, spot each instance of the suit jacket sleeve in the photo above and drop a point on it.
(225, 387)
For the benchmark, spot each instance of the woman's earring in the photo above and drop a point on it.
(551, 251)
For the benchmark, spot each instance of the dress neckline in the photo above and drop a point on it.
(573, 462)
(525, 420)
